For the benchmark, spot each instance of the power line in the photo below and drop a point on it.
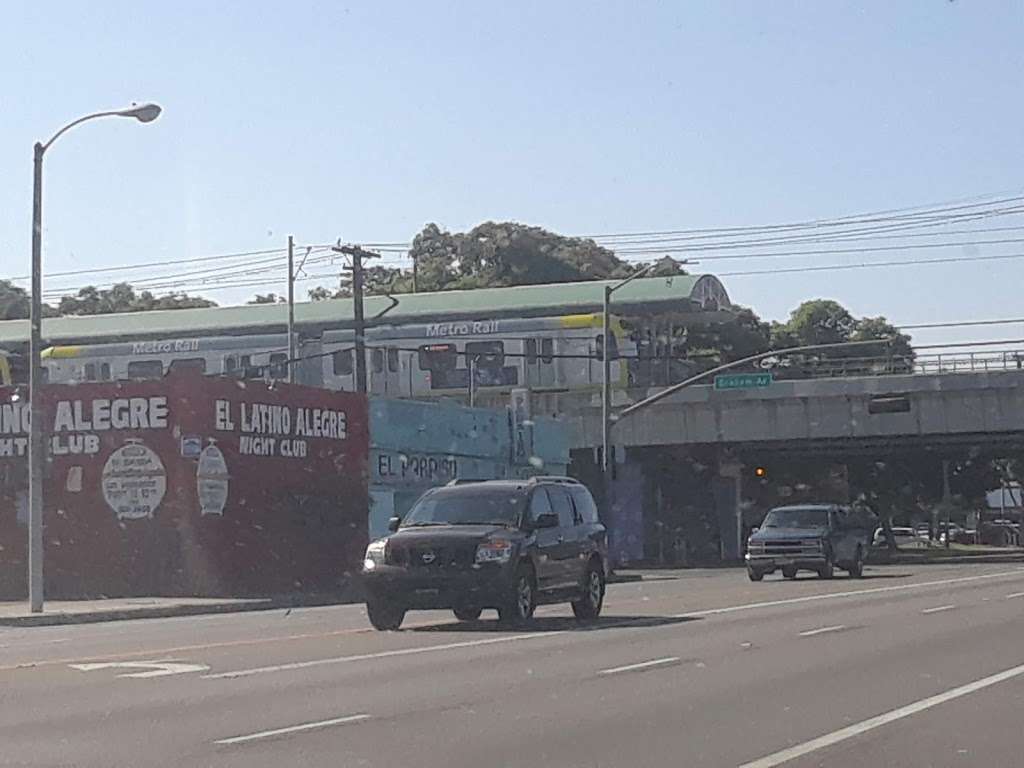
(961, 324)
(871, 265)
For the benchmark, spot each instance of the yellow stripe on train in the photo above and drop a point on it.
(59, 353)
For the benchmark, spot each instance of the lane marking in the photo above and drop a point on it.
(785, 755)
(367, 630)
(155, 668)
(378, 655)
(1015, 594)
(642, 665)
(822, 630)
(850, 593)
(293, 729)
(939, 609)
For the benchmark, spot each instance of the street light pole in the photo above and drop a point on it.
(144, 113)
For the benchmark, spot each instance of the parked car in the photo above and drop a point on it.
(906, 538)
(502, 544)
(811, 537)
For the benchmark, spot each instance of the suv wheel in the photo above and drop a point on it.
(468, 614)
(789, 572)
(857, 569)
(522, 601)
(828, 570)
(383, 615)
(755, 575)
(590, 602)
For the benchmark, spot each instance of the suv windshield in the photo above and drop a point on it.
(467, 506)
(797, 517)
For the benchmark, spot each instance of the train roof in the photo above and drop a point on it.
(641, 296)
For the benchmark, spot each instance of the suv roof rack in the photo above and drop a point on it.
(553, 479)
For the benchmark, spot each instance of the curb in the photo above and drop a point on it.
(172, 611)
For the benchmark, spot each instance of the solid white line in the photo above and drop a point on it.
(778, 758)
(822, 630)
(641, 665)
(293, 729)
(378, 655)
(534, 635)
(850, 593)
(1015, 594)
(939, 608)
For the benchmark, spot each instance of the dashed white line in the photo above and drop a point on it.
(378, 655)
(1014, 594)
(939, 609)
(785, 755)
(822, 630)
(641, 665)
(849, 593)
(293, 729)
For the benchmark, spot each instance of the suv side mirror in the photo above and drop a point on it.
(754, 530)
(393, 523)
(547, 520)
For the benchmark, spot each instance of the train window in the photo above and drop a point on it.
(105, 371)
(490, 361)
(441, 360)
(547, 350)
(145, 369)
(613, 347)
(343, 363)
(530, 350)
(393, 360)
(279, 365)
(188, 364)
(90, 372)
(377, 360)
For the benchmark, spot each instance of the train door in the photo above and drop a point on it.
(539, 361)
(340, 369)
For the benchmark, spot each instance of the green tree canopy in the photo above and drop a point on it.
(123, 298)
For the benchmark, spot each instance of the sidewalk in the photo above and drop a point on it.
(17, 614)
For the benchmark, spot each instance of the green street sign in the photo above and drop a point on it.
(743, 380)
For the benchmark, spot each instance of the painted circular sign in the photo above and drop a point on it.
(134, 481)
(212, 481)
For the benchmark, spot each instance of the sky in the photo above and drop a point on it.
(366, 120)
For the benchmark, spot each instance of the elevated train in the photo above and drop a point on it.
(420, 345)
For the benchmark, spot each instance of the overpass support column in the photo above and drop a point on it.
(728, 494)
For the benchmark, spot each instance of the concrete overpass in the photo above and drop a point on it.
(866, 411)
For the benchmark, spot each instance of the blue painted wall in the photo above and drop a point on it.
(415, 446)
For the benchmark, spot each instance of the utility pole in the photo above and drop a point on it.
(472, 380)
(358, 254)
(946, 500)
(291, 309)
(37, 452)
(415, 276)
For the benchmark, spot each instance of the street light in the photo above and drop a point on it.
(144, 113)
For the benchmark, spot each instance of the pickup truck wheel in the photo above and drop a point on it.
(856, 570)
(468, 614)
(384, 616)
(588, 607)
(521, 602)
(789, 573)
(827, 571)
(755, 575)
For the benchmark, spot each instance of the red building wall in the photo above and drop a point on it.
(189, 485)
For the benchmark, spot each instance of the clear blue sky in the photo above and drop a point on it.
(365, 120)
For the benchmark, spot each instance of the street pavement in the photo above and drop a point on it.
(910, 666)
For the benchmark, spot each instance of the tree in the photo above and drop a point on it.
(14, 301)
(869, 328)
(268, 298)
(122, 298)
(819, 321)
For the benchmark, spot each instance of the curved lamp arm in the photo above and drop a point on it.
(144, 113)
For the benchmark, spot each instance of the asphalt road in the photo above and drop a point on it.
(911, 666)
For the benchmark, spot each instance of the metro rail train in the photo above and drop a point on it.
(544, 337)
(416, 360)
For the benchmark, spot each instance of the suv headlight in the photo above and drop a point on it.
(494, 551)
(375, 554)
(755, 546)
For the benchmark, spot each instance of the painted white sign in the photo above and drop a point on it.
(153, 668)
(134, 481)
(212, 481)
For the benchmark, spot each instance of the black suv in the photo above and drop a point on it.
(504, 544)
(811, 537)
